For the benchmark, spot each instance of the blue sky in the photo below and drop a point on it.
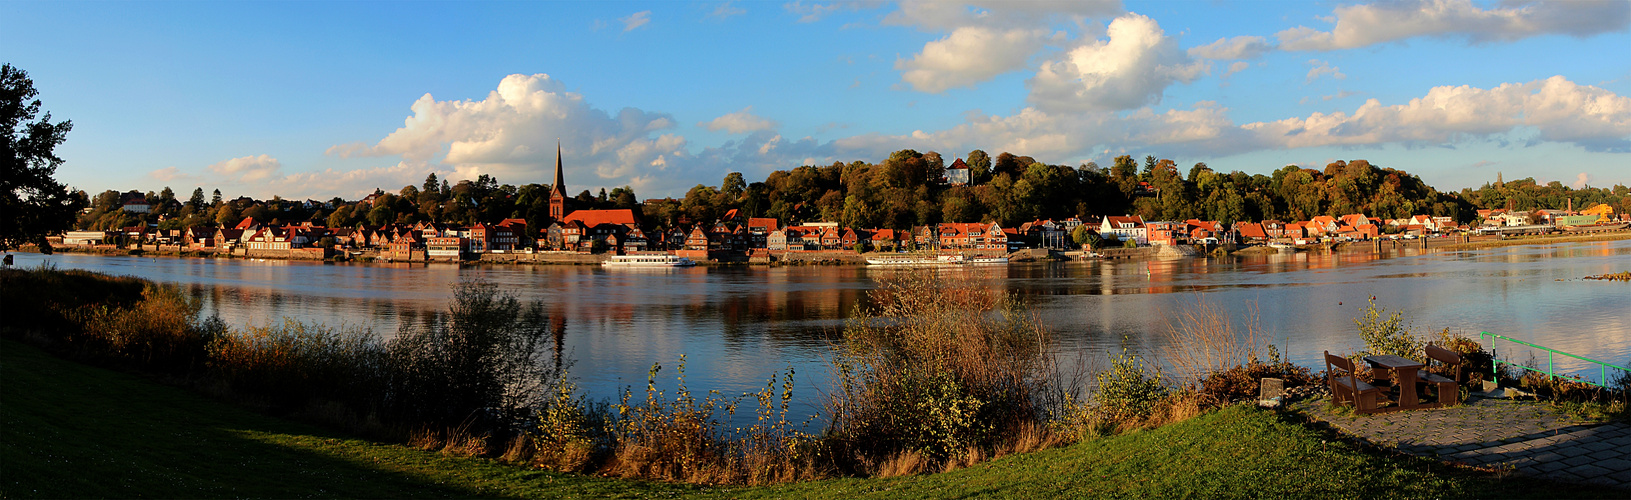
(321, 99)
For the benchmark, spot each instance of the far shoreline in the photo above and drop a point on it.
(1450, 244)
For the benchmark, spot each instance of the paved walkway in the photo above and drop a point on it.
(1530, 437)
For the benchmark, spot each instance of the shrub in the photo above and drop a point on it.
(482, 363)
(1386, 333)
(937, 366)
(1128, 391)
(295, 365)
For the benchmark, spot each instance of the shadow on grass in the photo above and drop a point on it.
(70, 430)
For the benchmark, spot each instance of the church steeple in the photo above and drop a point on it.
(557, 192)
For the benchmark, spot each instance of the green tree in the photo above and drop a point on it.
(32, 203)
(979, 166)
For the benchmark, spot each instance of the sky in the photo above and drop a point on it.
(324, 99)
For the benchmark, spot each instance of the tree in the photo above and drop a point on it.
(979, 166)
(733, 185)
(197, 201)
(33, 203)
(215, 200)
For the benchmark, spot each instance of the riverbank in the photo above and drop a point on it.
(169, 442)
(1540, 240)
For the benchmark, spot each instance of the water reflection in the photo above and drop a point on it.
(740, 325)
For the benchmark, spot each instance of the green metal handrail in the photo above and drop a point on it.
(1550, 371)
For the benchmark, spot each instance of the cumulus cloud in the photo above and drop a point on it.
(1581, 180)
(1229, 49)
(1236, 67)
(969, 55)
(1130, 69)
(1554, 110)
(247, 168)
(512, 134)
(983, 39)
(739, 122)
(636, 20)
(1368, 24)
(1323, 68)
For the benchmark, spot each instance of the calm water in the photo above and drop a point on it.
(739, 326)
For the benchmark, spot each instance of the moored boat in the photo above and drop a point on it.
(653, 260)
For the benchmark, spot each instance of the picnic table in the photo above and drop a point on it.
(1402, 371)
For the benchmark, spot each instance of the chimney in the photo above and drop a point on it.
(1571, 206)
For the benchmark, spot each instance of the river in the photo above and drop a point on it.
(741, 325)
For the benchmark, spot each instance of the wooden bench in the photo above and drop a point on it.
(1449, 388)
(1345, 387)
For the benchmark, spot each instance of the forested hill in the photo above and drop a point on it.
(906, 190)
(898, 192)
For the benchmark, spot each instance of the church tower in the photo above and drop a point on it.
(557, 192)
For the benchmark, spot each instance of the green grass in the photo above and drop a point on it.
(68, 430)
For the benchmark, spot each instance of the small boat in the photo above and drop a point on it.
(901, 261)
(654, 260)
(988, 260)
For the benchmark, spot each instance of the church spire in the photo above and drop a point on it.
(557, 193)
(560, 180)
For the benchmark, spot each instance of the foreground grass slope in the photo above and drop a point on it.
(70, 430)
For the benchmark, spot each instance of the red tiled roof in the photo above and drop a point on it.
(592, 218)
(769, 223)
(1251, 230)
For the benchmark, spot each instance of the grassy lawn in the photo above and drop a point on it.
(68, 430)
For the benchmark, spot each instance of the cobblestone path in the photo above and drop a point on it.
(1530, 437)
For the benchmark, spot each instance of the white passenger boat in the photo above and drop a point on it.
(902, 261)
(654, 260)
(988, 260)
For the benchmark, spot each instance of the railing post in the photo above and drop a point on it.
(1549, 368)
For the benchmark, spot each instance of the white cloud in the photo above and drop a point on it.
(1228, 49)
(168, 174)
(1554, 110)
(1341, 94)
(726, 10)
(1369, 24)
(1581, 180)
(1236, 67)
(1323, 68)
(814, 11)
(247, 168)
(512, 134)
(969, 55)
(983, 39)
(739, 122)
(636, 20)
(1130, 69)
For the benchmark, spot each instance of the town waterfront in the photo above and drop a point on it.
(740, 325)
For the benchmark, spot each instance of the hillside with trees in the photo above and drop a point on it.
(906, 189)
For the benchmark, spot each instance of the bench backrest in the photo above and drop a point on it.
(1443, 355)
(1339, 362)
(1451, 360)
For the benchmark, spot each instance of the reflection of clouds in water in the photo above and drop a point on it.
(740, 325)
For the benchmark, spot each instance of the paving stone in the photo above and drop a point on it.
(1579, 461)
(1607, 454)
(1598, 446)
(1589, 471)
(1617, 464)
(1572, 451)
(1551, 466)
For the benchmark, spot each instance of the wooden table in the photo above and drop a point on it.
(1404, 377)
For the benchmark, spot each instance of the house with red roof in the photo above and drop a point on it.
(1125, 227)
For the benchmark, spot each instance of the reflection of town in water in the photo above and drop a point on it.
(741, 325)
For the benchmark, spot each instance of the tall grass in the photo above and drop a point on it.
(937, 367)
(1223, 358)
